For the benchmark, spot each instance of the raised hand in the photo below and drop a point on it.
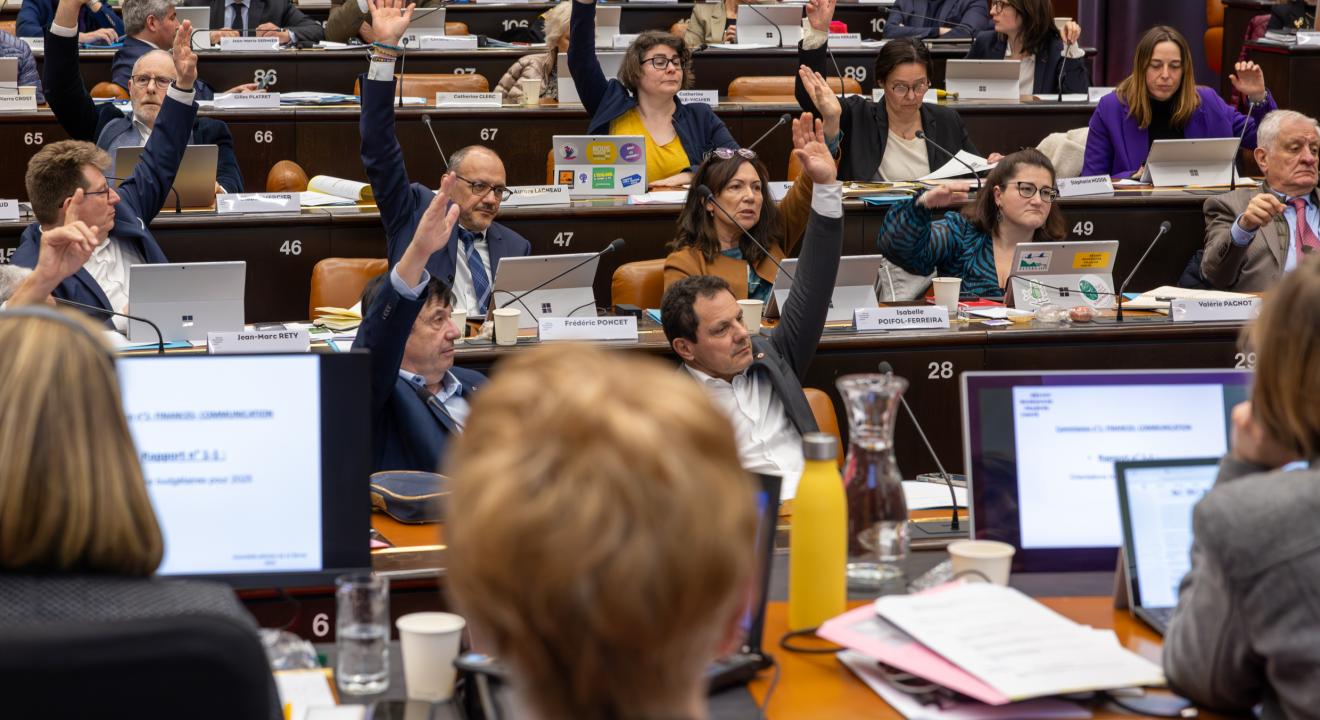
(810, 149)
(389, 19)
(432, 233)
(820, 13)
(1072, 32)
(185, 60)
(1249, 80)
(1260, 211)
(827, 103)
(945, 195)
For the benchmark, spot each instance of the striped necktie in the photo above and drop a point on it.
(480, 280)
(1307, 242)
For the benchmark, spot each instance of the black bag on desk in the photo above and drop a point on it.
(410, 496)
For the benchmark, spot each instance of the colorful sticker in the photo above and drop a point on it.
(1090, 260)
(1095, 291)
(1038, 261)
(630, 152)
(630, 180)
(600, 153)
(566, 177)
(602, 178)
(568, 152)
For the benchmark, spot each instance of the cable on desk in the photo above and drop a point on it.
(806, 632)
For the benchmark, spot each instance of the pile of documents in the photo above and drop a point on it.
(337, 319)
(324, 190)
(987, 643)
(1158, 299)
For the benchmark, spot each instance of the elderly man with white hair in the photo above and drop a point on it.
(1255, 235)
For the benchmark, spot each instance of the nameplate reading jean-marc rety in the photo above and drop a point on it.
(915, 317)
(585, 328)
(258, 341)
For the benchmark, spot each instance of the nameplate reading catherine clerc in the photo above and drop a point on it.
(596, 328)
(916, 317)
(467, 99)
(258, 341)
(1211, 309)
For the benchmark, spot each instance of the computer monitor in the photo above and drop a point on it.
(1041, 448)
(257, 465)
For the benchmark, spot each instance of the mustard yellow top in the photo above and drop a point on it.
(662, 161)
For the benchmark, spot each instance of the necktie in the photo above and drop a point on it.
(480, 280)
(239, 22)
(1307, 242)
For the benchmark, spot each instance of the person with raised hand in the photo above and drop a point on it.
(64, 250)
(1025, 31)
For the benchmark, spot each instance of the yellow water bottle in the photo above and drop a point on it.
(818, 538)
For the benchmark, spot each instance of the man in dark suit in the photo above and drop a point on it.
(278, 18)
(106, 126)
(66, 183)
(150, 25)
(757, 380)
(470, 263)
(419, 398)
(938, 19)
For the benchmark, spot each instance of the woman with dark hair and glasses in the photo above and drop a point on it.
(713, 240)
(1025, 31)
(1016, 206)
(643, 100)
(877, 141)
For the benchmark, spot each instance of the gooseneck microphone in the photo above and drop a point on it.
(426, 120)
(1237, 152)
(887, 369)
(922, 134)
(706, 195)
(160, 339)
(1164, 228)
(614, 245)
(783, 120)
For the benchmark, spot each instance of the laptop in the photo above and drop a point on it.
(1155, 501)
(983, 79)
(1067, 274)
(194, 183)
(426, 22)
(201, 24)
(607, 25)
(569, 296)
(185, 300)
(1040, 449)
(600, 164)
(609, 65)
(854, 287)
(1204, 161)
(773, 25)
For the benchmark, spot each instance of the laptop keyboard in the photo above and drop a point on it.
(1159, 618)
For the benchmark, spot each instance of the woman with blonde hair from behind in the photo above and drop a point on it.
(543, 66)
(601, 533)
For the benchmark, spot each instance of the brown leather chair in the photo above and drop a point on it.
(427, 85)
(779, 85)
(640, 283)
(822, 408)
(1214, 34)
(338, 282)
(286, 176)
(109, 90)
(456, 28)
(678, 29)
(9, 26)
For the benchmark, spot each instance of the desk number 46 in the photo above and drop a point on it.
(291, 247)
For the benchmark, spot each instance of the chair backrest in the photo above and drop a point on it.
(1214, 34)
(679, 29)
(426, 85)
(213, 666)
(338, 282)
(779, 85)
(456, 28)
(286, 176)
(640, 283)
(9, 26)
(822, 408)
(109, 90)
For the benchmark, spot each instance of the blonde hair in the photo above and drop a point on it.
(601, 530)
(72, 496)
(1286, 339)
(556, 27)
(1136, 95)
(56, 171)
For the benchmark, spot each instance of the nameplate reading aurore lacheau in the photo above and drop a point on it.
(597, 328)
(255, 100)
(447, 42)
(914, 317)
(25, 102)
(257, 203)
(703, 97)
(1210, 309)
(1083, 186)
(530, 195)
(258, 341)
(249, 44)
(845, 40)
(468, 99)
(8, 209)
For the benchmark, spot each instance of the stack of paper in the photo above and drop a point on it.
(954, 168)
(1148, 300)
(338, 319)
(325, 190)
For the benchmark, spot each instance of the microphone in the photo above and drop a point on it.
(426, 120)
(1164, 228)
(971, 31)
(887, 369)
(783, 120)
(1063, 63)
(160, 339)
(706, 195)
(615, 245)
(922, 134)
(1237, 152)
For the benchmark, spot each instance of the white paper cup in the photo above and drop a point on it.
(531, 89)
(506, 326)
(459, 318)
(751, 318)
(946, 293)
(430, 644)
(991, 558)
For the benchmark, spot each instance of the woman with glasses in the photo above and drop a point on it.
(1016, 205)
(878, 141)
(712, 234)
(643, 99)
(1161, 101)
(1025, 31)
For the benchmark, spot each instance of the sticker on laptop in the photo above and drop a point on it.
(1038, 261)
(1090, 260)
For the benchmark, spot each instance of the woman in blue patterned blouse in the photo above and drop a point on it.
(1016, 205)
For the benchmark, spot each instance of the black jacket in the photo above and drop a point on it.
(280, 13)
(1285, 17)
(990, 45)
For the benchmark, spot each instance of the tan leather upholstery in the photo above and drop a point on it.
(779, 85)
(109, 90)
(456, 28)
(286, 176)
(639, 283)
(822, 408)
(427, 85)
(338, 282)
(1214, 34)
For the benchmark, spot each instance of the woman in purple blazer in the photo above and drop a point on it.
(1161, 101)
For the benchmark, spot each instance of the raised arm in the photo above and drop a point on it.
(583, 65)
(1249, 81)
(66, 92)
(63, 252)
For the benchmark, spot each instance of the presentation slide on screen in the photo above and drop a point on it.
(231, 450)
(1161, 502)
(1068, 439)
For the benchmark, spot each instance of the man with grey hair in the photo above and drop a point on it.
(150, 25)
(1255, 235)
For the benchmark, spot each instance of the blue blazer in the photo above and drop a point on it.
(401, 202)
(121, 68)
(408, 433)
(35, 16)
(990, 45)
(973, 13)
(140, 198)
(698, 127)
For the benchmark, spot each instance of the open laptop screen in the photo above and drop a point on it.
(1156, 498)
(257, 465)
(1041, 449)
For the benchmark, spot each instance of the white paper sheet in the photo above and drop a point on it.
(659, 197)
(955, 169)
(928, 496)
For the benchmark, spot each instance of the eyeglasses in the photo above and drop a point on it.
(902, 89)
(999, 5)
(662, 62)
(480, 188)
(106, 191)
(142, 81)
(729, 153)
(1028, 191)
